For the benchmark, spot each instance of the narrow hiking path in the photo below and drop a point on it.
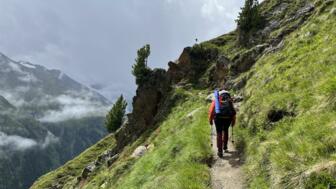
(226, 172)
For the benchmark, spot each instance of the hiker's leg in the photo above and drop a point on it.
(219, 130)
(219, 140)
(226, 138)
(226, 133)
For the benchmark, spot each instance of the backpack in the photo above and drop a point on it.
(226, 109)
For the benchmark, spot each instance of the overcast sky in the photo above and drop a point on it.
(95, 41)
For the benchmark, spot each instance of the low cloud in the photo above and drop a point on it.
(49, 139)
(16, 142)
(71, 105)
(74, 107)
(19, 143)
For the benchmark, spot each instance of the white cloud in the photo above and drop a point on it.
(16, 142)
(19, 143)
(13, 96)
(16, 68)
(74, 107)
(49, 139)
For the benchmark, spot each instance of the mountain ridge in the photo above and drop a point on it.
(46, 118)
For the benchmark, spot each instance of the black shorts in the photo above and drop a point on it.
(222, 124)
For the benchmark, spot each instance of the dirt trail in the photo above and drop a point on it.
(226, 172)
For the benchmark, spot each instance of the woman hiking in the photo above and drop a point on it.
(223, 113)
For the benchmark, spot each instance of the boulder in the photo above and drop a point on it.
(191, 114)
(139, 152)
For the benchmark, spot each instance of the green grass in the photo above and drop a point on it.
(178, 160)
(300, 79)
(72, 169)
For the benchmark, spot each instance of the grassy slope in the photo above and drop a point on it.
(301, 78)
(178, 159)
(73, 168)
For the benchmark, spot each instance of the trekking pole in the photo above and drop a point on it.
(232, 140)
(211, 135)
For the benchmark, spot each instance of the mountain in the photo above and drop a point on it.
(46, 118)
(283, 85)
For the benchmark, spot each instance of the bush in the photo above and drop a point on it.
(115, 116)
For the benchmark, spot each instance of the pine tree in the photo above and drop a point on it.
(249, 20)
(140, 69)
(116, 115)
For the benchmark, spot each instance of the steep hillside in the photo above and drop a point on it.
(46, 118)
(286, 129)
(288, 118)
(177, 153)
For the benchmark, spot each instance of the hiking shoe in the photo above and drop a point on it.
(220, 154)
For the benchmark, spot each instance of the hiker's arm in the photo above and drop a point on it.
(211, 112)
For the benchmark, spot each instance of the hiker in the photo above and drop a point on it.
(223, 113)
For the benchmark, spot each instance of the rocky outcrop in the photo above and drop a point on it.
(146, 104)
(177, 70)
(243, 62)
(192, 64)
(219, 72)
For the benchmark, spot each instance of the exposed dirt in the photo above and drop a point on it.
(226, 172)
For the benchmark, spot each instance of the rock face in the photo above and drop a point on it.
(146, 104)
(244, 61)
(220, 72)
(182, 67)
(191, 65)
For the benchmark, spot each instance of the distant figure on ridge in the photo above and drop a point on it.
(223, 113)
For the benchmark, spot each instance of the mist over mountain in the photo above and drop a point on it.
(46, 118)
